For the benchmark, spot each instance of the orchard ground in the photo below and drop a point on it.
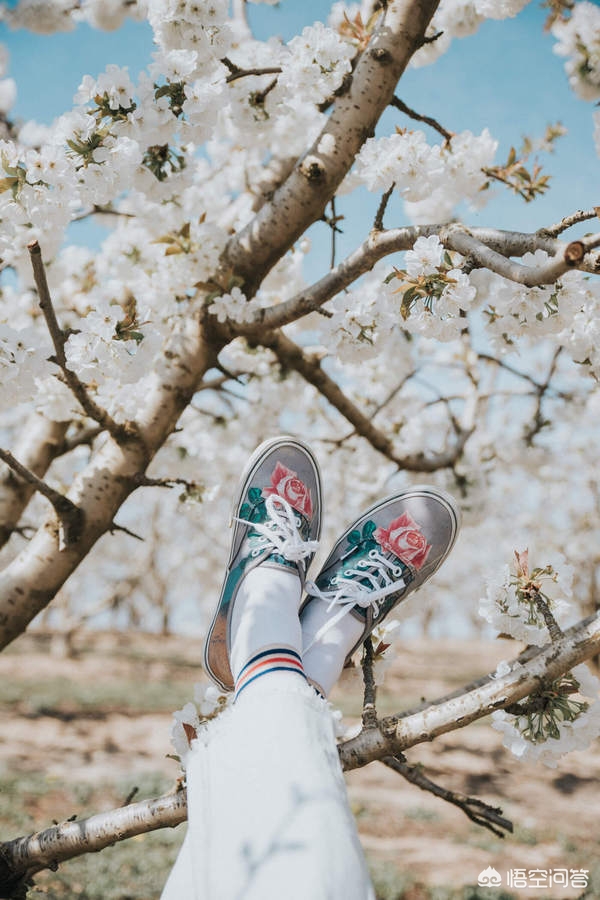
(80, 731)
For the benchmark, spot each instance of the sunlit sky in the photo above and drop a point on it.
(506, 77)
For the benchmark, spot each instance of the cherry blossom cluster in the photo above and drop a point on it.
(530, 604)
(578, 39)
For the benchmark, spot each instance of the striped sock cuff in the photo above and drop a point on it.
(275, 659)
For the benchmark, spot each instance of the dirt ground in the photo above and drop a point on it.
(103, 714)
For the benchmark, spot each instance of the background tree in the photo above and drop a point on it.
(137, 377)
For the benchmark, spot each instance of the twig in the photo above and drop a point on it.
(581, 215)
(477, 811)
(90, 407)
(134, 790)
(552, 625)
(237, 72)
(432, 38)
(378, 221)
(369, 710)
(70, 515)
(333, 232)
(428, 120)
(114, 527)
(85, 436)
(538, 420)
(146, 481)
(102, 211)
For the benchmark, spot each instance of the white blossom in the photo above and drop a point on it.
(578, 39)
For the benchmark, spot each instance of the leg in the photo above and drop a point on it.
(386, 554)
(267, 805)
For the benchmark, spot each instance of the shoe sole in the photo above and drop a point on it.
(216, 643)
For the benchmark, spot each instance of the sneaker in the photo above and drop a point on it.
(387, 554)
(277, 516)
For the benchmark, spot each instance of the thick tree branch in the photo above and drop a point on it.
(22, 857)
(317, 175)
(291, 356)
(398, 733)
(487, 247)
(35, 575)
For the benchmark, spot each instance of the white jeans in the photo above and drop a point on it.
(268, 813)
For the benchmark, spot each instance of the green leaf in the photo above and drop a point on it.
(255, 494)
(354, 537)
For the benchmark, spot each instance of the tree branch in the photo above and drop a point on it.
(566, 257)
(433, 123)
(318, 173)
(70, 515)
(397, 733)
(291, 356)
(487, 247)
(477, 811)
(40, 442)
(22, 857)
(378, 220)
(236, 72)
(89, 406)
(369, 710)
(568, 221)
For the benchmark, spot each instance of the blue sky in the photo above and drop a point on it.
(505, 77)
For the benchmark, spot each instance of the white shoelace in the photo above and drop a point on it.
(280, 531)
(352, 592)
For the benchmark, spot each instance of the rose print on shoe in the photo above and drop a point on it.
(286, 484)
(404, 539)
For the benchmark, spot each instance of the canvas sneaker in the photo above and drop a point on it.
(277, 522)
(385, 555)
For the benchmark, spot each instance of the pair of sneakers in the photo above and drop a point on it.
(385, 555)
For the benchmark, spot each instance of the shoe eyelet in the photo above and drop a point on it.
(298, 521)
(334, 580)
(362, 564)
(372, 554)
(397, 571)
(256, 552)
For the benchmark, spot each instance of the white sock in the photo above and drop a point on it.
(324, 661)
(266, 638)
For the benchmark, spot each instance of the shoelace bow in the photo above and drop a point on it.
(280, 532)
(353, 592)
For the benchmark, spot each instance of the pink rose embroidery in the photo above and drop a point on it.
(405, 540)
(286, 484)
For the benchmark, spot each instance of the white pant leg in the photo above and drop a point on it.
(267, 806)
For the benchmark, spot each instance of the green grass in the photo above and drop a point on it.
(62, 696)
